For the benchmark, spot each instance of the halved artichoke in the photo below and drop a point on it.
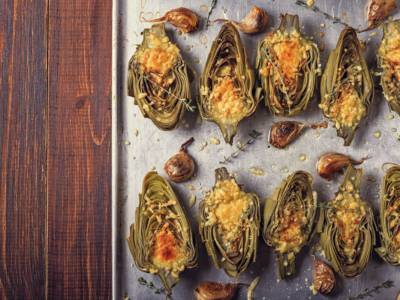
(226, 83)
(389, 62)
(346, 86)
(348, 233)
(161, 240)
(158, 79)
(290, 219)
(230, 224)
(390, 217)
(287, 68)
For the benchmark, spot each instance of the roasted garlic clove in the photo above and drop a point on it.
(161, 240)
(330, 163)
(283, 133)
(230, 224)
(181, 166)
(182, 18)
(287, 66)
(324, 279)
(254, 22)
(215, 291)
(378, 11)
(290, 219)
(348, 230)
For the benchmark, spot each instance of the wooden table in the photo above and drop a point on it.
(55, 133)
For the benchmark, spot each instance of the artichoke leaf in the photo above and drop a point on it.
(158, 79)
(290, 217)
(348, 234)
(389, 249)
(226, 83)
(287, 66)
(229, 224)
(161, 240)
(389, 61)
(346, 86)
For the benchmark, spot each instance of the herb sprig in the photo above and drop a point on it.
(372, 291)
(285, 89)
(150, 285)
(254, 134)
(187, 103)
(213, 5)
(335, 20)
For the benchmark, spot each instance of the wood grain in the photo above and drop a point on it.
(79, 150)
(23, 119)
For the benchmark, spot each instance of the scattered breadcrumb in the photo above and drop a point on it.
(257, 171)
(214, 141)
(203, 145)
(192, 201)
(302, 157)
(377, 134)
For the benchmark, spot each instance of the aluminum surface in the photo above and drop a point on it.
(139, 146)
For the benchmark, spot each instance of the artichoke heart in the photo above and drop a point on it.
(389, 62)
(161, 240)
(390, 217)
(226, 83)
(230, 224)
(289, 219)
(158, 79)
(348, 233)
(287, 68)
(346, 86)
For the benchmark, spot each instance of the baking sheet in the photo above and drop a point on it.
(138, 146)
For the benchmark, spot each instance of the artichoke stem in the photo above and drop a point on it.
(287, 266)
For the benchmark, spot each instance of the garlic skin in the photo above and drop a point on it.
(378, 11)
(182, 18)
(324, 279)
(181, 166)
(215, 291)
(330, 163)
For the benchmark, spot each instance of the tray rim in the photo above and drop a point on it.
(116, 94)
(114, 151)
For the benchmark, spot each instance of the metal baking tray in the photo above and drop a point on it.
(138, 146)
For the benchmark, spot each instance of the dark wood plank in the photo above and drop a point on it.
(79, 160)
(23, 118)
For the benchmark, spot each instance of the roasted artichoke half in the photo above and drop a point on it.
(290, 219)
(230, 224)
(161, 240)
(288, 65)
(226, 83)
(346, 86)
(348, 233)
(390, 217)
(158, 79)
(389, 62)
